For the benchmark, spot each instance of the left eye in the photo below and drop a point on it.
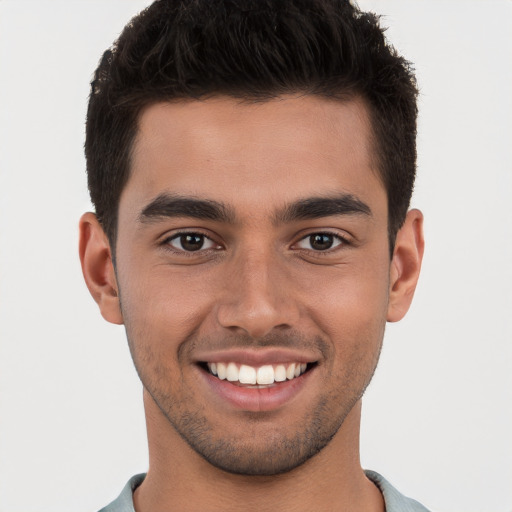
(191, 242)
(320, 242)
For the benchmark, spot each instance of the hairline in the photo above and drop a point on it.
(342, 96)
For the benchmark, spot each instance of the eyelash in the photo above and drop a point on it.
(176, 236)
(342, 241)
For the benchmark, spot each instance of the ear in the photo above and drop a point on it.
(405, 265)
(98, 268)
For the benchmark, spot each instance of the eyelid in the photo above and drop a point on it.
(343, 239)
(167, 238)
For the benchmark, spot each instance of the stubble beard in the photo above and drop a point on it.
(265, 452)
(259, 447)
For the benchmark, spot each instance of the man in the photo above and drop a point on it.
(251, 165)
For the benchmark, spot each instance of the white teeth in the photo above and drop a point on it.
(232, 372)
(290, 371)
(263, 375)
(280, 373)
(221, 371)
(247, 375)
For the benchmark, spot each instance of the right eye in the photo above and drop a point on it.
(191, 242)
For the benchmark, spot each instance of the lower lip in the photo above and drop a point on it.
(257, 399)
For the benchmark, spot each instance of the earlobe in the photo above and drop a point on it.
(405, 265)
(98, 268)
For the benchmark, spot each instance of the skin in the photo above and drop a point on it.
(257, 284)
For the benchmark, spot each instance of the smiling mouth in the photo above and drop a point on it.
(251, 376)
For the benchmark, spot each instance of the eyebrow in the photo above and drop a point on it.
(318, 207)
(170, 205)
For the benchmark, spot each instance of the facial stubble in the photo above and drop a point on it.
(263, 443)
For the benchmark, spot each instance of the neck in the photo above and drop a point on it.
(180, 479)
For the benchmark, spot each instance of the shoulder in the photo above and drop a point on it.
(124, 502)
(395, 501)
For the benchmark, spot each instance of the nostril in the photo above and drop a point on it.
(257, 314)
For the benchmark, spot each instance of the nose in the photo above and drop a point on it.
(258, 296)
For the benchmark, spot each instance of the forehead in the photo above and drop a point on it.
(253, 154)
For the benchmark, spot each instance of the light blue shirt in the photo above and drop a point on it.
(395, 502)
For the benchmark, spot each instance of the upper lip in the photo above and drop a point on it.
(256, 357)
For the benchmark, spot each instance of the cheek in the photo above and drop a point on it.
(354, 321)
(163, 306)
(352, 306)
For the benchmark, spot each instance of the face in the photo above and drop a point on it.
(254, 274)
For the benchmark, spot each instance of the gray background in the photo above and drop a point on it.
(438, 415)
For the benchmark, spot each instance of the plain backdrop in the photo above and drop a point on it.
(437, 418)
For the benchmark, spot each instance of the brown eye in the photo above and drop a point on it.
(320, 241)
(191, 242)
